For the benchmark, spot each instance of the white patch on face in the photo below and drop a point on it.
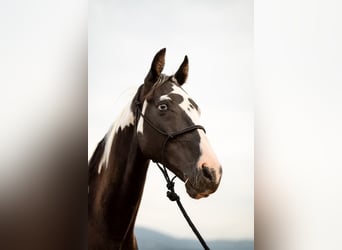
(208, 157)
(140, 128)
(164, 97)
(192, 113)
(125, 119)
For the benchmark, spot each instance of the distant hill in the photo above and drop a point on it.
(152, 240)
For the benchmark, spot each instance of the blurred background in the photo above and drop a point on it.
(43, 114)
(297, 89)
(217, 37)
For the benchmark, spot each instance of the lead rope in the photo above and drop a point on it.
(171, 194)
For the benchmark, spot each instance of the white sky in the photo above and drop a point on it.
(217, 36)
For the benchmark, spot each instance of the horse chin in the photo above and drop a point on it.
(193, 193)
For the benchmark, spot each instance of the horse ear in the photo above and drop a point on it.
(155, 71)
(182, 72)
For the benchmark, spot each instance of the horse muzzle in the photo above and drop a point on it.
(204, 183)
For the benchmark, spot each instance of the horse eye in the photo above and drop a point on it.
(162, 107)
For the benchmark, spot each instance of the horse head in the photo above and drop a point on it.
(167, 110)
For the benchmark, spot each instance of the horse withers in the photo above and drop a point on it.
(161, 123)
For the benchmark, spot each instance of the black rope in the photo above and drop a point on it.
(171, 194)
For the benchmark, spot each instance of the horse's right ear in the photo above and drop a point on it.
(155, 71)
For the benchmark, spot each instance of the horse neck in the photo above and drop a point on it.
(115, 193)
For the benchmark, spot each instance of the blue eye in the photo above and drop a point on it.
(162, 107)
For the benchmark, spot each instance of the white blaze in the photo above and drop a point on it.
(208, 157)
(192, 113)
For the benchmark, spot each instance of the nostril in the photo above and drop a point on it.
(207, 173)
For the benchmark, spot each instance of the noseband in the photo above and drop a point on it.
(171, 194)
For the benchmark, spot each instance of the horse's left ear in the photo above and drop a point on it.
(182, 72)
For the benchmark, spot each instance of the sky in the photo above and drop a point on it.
(217, 36)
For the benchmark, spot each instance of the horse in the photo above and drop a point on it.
(147, 129)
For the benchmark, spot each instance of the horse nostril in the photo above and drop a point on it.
(207, 173)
